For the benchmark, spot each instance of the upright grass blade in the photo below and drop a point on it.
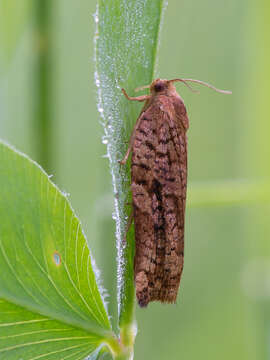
(13, 20)
(42, 76)
(254, 159)
(126, 44)
(50, 302)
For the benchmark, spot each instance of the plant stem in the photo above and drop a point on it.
(42, 82)
(126, 356)
(122, 348)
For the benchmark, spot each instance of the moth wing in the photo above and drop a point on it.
(158, 190)
(171, 165)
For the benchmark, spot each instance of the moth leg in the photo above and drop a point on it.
(130, 219)
(122, 162)
(136, 98)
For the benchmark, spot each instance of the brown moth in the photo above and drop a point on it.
(158, 183)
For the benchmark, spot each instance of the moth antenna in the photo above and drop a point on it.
(184, 81)
(203, 83)
(142, 88)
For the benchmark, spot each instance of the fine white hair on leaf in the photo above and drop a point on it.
(127, 62)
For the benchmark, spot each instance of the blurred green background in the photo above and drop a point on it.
(223, 309)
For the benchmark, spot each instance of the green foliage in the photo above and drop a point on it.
(50, 304)
(126, 44)
(48, 283)
(29, 335)
(228, 139)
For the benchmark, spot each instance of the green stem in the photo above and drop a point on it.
(126, 356)
(122, 349)
(42, 82)
(229, 192)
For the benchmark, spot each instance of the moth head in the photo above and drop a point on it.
(160, 86)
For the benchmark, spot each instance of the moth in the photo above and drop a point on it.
(158, 145)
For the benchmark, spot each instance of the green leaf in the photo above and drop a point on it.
(28, 335)
(126, 45)
(51, 306)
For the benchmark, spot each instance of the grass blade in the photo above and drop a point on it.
(126, 45)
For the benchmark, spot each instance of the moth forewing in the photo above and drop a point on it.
(158, 183)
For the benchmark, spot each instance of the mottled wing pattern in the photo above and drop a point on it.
(159, 177)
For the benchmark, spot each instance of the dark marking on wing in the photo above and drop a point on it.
(159, 178)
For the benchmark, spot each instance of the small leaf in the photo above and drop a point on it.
(126, 44)
(51, 306)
